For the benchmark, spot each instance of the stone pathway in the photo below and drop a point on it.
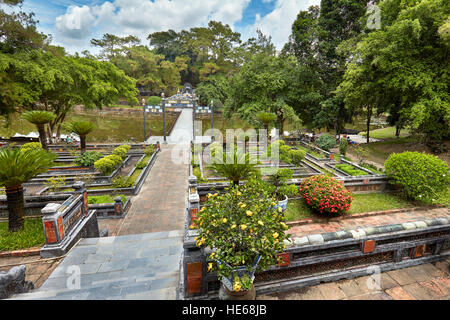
(142, 266)
(371, 221)
(429, 281)
(181, 132)
(160, 204)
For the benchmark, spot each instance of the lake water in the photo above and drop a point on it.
(108, 127)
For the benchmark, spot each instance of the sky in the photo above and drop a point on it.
(73, 23)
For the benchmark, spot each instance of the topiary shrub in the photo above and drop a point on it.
(105, 165)
(31, 146)
(141, 164)
(422, 176)
(325, 142)
(88, 159)
(120, 151)
(343, 146)
(325, 195)
(115, 158)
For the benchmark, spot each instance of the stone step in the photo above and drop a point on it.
(140, 265)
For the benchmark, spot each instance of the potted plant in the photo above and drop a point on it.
(245, 233)
(281, 190)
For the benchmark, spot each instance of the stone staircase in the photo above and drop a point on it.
(139, 267)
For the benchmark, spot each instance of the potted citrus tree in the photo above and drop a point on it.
(245, 232)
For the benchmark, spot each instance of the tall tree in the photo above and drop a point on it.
(407, 58)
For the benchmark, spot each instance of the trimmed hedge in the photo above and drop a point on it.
(423, 176)
(325, 195)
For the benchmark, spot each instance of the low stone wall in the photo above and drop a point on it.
(323, 257)
(66, 223)
(116, 210)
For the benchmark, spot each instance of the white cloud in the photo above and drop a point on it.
(76, 23)
(142, 17)
(278, 23)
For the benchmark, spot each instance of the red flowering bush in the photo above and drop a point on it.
(325, 195)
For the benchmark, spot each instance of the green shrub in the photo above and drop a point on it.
(343, 146)
(141, 164)
(297, 156)
(149, 150)
(115, 158)
(198, 174)
(284, 151)
(423, 176)
(108, 164)
(214, 148)
(55, 183)
(325, 142)
(154, 101)
(31, 145)
(105, 165)
(120, 151)
(88, 159)
(122, 182)
(289, 190)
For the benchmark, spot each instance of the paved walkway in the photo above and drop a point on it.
(141, 266)
(429, 281)
(371, 221)
(160, 204)
(181, 132)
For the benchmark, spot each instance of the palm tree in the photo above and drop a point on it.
(266, 118)
(40, 119)
(17, 167)
(235, 166)
(82, 129)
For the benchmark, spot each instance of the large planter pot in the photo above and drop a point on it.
(282, 204)
(225, 294)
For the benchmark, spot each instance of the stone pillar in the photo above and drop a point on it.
(53, 223)
(118, 206)
(194, 206)
(80, 188)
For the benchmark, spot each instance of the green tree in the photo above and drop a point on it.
(82, 129)
(40, 119)
(406, 58)
(266, 118)
(17, 167)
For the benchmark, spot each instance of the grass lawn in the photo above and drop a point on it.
(297, 209)
(385, 133)
(31, 236)
(105, 199)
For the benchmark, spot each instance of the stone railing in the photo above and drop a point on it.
(64, 224)
(333, 256)
(116, 210)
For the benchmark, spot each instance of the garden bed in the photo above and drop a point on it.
(367, 202)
